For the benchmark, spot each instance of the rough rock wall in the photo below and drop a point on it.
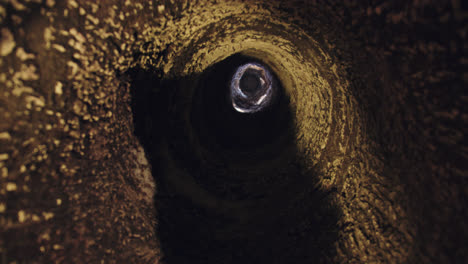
(376, 156)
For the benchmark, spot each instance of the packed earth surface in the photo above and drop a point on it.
(119, 143)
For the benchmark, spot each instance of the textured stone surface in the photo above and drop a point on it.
(377, 93)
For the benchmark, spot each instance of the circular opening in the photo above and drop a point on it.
(239, 105)
(252, 88)
(251, 82)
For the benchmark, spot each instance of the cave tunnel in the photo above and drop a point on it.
(216, 131)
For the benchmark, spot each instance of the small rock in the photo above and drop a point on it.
(7, 42)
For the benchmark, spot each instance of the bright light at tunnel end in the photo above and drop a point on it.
(252, 88)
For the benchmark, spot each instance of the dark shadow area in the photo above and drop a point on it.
(231, 187)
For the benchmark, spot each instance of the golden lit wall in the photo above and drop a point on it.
(109, 152)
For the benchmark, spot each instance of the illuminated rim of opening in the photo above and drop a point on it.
(244, 103)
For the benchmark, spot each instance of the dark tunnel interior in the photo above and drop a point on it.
(249, 162)
(233, 131)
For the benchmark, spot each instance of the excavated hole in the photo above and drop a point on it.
(219, 125)
(231, 186)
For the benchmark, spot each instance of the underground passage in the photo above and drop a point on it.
(233, 131)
